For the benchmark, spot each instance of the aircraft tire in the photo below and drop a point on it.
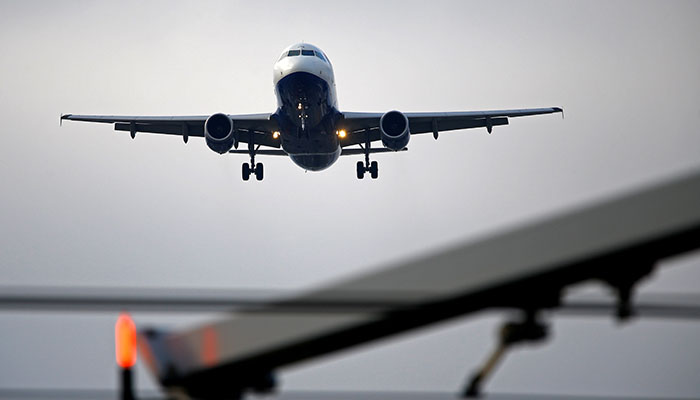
(245, 172)
(374, 169)
(360, 170)
(259, 171)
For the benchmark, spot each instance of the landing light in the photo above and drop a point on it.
(341, 133)
(275, 134)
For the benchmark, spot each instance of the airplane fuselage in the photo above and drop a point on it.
(307, 106)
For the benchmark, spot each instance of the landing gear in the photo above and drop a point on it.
(360, 170)
(252, 168)
(246, 172)
(372, 168)
(259, 171)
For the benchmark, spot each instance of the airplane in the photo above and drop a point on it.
(308, 126)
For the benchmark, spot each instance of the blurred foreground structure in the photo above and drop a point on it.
(618, 241)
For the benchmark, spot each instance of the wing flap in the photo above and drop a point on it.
(261, 152)
(354, 152)
(425, 125)
(167, 129)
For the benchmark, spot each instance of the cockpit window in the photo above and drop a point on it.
(303, 52)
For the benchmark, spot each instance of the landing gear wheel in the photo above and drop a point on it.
(246, 172)
(360, 170)
(259, 171)
(374, 169)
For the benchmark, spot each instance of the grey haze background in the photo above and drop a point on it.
(83, 205)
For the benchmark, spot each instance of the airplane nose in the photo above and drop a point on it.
(290, 65)
(296, 64)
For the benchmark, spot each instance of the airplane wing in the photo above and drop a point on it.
(359, 124)
(258, 127)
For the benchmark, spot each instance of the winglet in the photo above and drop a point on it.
(559, 109)
(64, 116)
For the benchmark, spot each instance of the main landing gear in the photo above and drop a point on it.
(372, 168)
(252, 168)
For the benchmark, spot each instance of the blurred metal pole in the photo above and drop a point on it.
(127, 384)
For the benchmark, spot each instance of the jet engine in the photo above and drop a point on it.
(394, 129)
(219, 133)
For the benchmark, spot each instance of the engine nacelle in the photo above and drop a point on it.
(394, 129)
(219, 133)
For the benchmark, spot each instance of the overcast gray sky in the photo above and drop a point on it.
(83, 205)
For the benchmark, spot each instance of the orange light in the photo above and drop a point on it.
(210, 346)
(341, 133)
(125, 341)
(275, 134)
